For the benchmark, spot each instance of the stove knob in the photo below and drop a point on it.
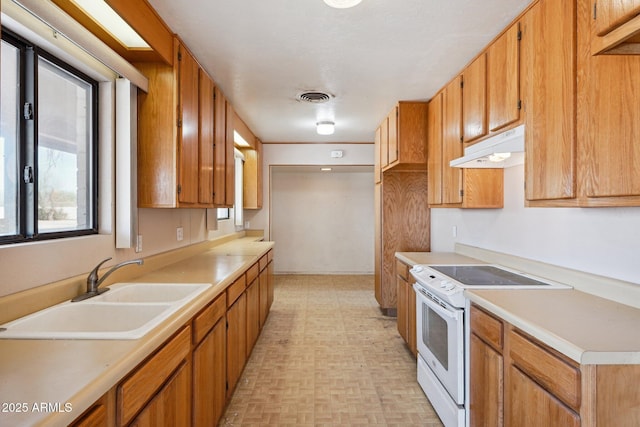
(418, 268)
(449, 286)
(444, 283)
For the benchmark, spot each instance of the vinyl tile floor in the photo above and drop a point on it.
(328, 357)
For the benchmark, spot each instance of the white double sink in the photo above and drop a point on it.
(127, 311)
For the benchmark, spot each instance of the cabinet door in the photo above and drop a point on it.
(503, 79)
(393, 136)
(220, 147)
(188, 128)
(209, 380)
(610, 152)
(549, 54)
(271, 284)
(610, 14)
(230, 161)
(474, 99)
(264, 296)
(531, 405)
(236, 341)
(402, 307)
(412, 339)
(172, 405)
(205, 140)
(253, 314)
(384, 142)
(451, 142)
(434, 150)
(486, 382)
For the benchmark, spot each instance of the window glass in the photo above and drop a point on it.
(65, 137)
(9, 140)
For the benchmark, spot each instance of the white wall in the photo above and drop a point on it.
(275, 155)
(322, 222)
(604, 241)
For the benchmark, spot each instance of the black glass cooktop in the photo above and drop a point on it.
(485, 275)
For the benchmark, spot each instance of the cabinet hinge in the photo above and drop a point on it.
(179, 56)
(27, 111)
(179, 188)
(461, 138)
(461, 193)
(519, 104)
(595, 10)
(519, 35)
(461, 84)
(179, 123)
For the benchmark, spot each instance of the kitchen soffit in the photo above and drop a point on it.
(262, 54)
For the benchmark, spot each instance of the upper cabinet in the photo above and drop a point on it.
(168, 132)
(503, 79)
(455, 187)
(549, 62)
(403, 137)
(616, 26)
(474, 99)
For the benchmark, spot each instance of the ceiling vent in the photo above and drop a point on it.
(315, 97)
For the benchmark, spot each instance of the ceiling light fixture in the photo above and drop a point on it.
(325, 128)
(342, 4)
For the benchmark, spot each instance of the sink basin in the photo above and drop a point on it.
(127, 311)
(152, 292)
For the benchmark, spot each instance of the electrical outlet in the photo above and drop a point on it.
(454, 231)
(139, 243)
(179, 234)
(247, 224)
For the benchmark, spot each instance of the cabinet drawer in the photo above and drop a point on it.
(263, 262)
(146, 380)
(487, 327)
(252, 273)
(402, 270)
(207, 318)
(557, 375)
(236, 289)
(270, 255)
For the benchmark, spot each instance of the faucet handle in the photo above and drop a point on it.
(94, 273)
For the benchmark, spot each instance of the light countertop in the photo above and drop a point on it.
(79, 372)
(587, 328)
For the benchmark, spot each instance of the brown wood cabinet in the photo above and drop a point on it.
(516, 380)
(205, 139)
(99, 414)
(169, 130)
(550, 63)
(236, 341)
(252, 176)
(406, 306)
(253, 314)
(162, 383)
(209, 364)
(616, 26)
(455, 187)
(474, 99)
(401, 225)
(224, 162)
(503, 79)
(263, 278)
(403, 138)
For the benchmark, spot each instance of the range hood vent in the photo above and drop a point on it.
(499, 151)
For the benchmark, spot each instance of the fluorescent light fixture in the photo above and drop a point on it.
(108, 19)
(342, 4)
(326, 169)
(239, 140)
(325, 128)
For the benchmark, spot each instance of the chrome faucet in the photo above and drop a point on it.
(94, 282)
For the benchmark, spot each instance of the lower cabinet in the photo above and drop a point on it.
(189, 379)
(406, 306)
(516, 380)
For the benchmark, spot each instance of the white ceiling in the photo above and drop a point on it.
(263, 53)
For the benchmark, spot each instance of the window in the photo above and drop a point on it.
(223, 213)
(48, 146)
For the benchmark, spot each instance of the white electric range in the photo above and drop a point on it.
(443, 332)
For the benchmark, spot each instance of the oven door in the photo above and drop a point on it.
(440, 336)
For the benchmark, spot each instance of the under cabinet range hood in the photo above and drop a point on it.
(500, 151)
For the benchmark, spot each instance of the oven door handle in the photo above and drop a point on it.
(451, 313)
